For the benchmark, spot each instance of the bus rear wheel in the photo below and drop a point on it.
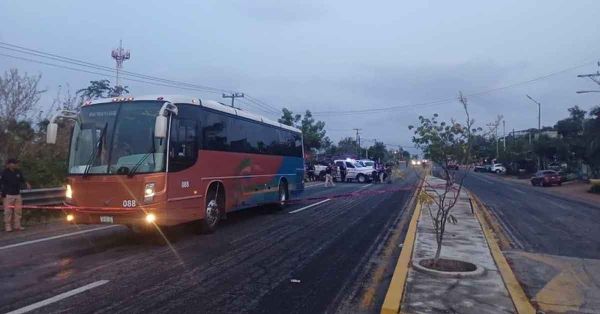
(284, 195)
(215, 205)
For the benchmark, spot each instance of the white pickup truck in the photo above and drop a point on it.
(355, 170)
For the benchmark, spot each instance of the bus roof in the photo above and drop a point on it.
(212, 104)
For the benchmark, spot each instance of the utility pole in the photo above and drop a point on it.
(593, 77)
(513, 138)
(504, 134)
(539, 127)
(357, 141)
(120, 55)
(497, 141)
(539, 114)
(233, 96)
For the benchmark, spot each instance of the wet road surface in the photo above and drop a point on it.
(316, 259)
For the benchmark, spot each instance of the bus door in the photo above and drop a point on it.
(183, 183)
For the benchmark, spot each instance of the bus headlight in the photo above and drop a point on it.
(70, 217)
(150, 218)
(149, 192)
(69, 192)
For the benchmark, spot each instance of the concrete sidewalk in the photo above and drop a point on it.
(425, 293)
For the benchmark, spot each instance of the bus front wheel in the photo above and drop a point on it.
(215, 205)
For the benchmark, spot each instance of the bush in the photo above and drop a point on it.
(595, 189)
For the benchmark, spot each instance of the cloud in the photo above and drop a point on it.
(283, 11)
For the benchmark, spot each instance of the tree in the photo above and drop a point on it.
(378, 152)
(347, 145)
(313, 132)
(591, 135)
(101, 89)
(443, 143)
(19, 95)
(288, 117)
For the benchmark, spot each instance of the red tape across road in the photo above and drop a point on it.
(290, 202)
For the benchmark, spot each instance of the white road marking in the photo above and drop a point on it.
(59, 297)
(10, 246)
(365, 186)
(313, 185)
(309, 206)
(517, 190)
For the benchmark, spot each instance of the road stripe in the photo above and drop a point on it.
(309, 206)
(517, 190)
(313, 185)
(10, 246)
(59, 297)
(365, 186)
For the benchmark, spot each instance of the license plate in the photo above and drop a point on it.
(106, 219)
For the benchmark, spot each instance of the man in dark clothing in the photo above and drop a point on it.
(343, 172)
(11, 180)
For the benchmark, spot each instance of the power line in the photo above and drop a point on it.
(147, 79)
(446, 100)
(82, 63)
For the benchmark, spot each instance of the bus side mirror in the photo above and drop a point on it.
(160, 127)
(51, 133)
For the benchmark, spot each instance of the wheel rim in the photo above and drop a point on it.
(282, 195)
(361, 179)
(212, 213)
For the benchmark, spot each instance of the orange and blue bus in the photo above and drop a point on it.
(168, 160)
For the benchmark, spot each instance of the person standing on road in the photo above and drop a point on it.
(311, 172)
(11, 181)
(343, 172)
(329, 175)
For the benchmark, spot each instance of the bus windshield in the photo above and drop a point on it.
(113, 138)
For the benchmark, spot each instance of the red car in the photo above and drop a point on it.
(546, 178)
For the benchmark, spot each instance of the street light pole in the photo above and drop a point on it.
(539, 113)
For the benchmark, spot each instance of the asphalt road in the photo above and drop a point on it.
(538, 221)
(336, 256)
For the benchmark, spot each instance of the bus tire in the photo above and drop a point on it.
(361, 178)
(283, 195)
(213, 207)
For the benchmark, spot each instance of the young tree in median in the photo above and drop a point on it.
(444, 143)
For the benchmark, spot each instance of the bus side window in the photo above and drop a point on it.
(183, 150)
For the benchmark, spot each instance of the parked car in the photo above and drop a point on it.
(367, 163)
(480, 169)
(546, 178)
(498, 168)
(320, 168)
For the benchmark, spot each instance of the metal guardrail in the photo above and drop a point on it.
(49, 196)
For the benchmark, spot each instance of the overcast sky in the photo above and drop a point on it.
(331, 55)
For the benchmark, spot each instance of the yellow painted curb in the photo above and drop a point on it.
(517, 294)
(393, 297)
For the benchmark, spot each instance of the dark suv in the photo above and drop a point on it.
(546, 178)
